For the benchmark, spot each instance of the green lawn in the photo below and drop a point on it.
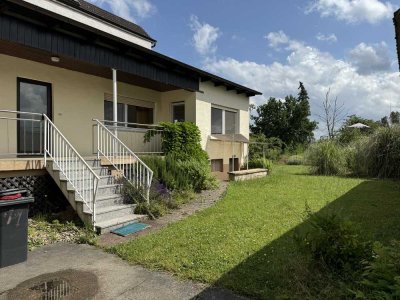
(245, 241)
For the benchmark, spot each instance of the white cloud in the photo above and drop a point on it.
(351, 11)
(330, 38)
(370, 58)
(204, 37)
(365, 94)
(128, 9)
(277, 39)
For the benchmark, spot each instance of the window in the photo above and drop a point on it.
(178, 112)
(216, 120)
(217, 165)
(128, 113)
(223, 121)
(230, 124)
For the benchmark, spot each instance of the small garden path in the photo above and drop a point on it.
(202, 201)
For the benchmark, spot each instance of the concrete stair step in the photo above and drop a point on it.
(114, 212)
(109, 200)
(111, 224)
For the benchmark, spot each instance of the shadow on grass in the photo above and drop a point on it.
(278, 269)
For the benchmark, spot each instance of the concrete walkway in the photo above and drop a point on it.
(116, 279)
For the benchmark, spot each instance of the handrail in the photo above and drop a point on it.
(124, 160)
(76, 170)
(29, 137)
(112, 123)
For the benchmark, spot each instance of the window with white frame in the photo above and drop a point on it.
(178, 112)
(223, 121)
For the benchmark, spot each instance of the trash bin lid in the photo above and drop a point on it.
(10, 192)
(23, 200)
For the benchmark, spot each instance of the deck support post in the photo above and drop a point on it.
(115, 105)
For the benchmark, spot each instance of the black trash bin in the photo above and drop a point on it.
(14, 209)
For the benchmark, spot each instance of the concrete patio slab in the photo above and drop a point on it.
(116, 278)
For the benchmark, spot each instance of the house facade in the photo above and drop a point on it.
(85, 69)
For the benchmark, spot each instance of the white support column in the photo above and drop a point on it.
(115, 106)
(115, 97)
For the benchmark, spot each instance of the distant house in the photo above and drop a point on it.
(79, 87)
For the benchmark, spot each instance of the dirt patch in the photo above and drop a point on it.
(67, 284)
(202, 201)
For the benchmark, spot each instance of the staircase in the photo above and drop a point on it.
(89, 186)
(112, 209)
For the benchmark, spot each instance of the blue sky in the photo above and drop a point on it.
(345, 45)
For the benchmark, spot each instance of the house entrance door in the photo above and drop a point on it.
(32, 97)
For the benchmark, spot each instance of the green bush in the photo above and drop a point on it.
(357, 157)
(334, 243)
(381, 276)
(383, 153)
(295, 160)
(181, 139)
(156, 209)
(327, 158)
(177, 174)
(260, 163)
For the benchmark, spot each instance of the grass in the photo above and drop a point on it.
(245, 242)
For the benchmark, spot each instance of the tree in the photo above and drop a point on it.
(333, 113)
(395, 117)
(347, 135)
(287, 120)
(385, 121)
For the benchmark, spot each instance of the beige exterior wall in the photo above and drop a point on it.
(221, 98)
(78, 98)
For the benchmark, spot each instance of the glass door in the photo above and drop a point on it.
(32, 97)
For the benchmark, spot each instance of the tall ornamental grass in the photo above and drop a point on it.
(326, 158)
(377, 155)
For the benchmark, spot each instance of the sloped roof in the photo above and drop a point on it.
(96, 11)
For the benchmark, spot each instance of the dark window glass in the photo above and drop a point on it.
(144, 115)
(217, 165)
(109, 109)
(33, 97)
(230, 122)
(178, 112)
(140, 115)
(216, 120)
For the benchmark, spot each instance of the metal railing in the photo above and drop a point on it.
(127, 164)
(133, 136)
(76, 170)
(21, 133)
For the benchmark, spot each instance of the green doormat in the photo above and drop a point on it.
(129, 229)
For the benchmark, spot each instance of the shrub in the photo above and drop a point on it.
(381, 276)
(156, 209)
(295, 160)
(181, 139)
(357, 157)
(176, 174)
(383, 153)
(334, 243)
(260, 163)
(327, 158)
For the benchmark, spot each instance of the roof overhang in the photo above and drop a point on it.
(34, 28)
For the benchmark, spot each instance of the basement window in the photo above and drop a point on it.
(217, 165)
